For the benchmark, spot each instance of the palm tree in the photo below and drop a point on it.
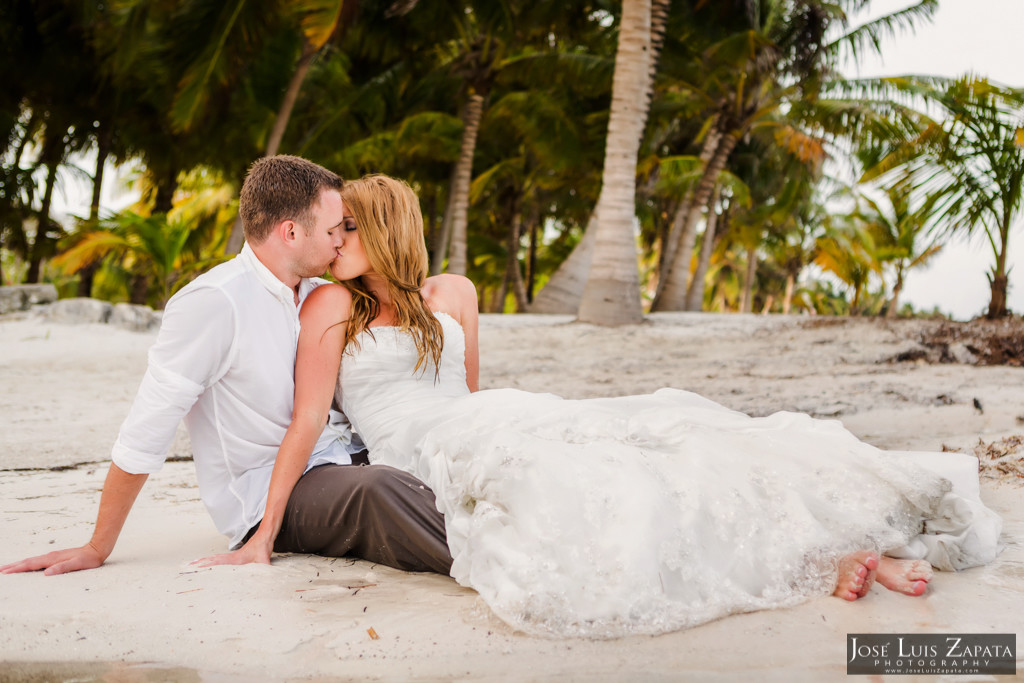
(490, 39)
(148, 247)
(534, 147)
(848, 251)
(155, 254)
(563, 292)
(239, 29)
(973, 161)
(779, 60)
(612, 292)
(901, 232)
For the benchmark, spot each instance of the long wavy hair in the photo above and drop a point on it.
(390, 225)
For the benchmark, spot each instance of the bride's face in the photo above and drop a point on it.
(351, 260)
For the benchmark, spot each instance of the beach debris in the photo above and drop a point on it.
(977, 406)
(373, 634)
(1002, 459)
(910, 356)
(978, 342)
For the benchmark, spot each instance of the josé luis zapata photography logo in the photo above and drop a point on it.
(931, 653)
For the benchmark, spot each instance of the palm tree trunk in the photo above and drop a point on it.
(291, 96)
(564, 290)
(695, 292)
(531, 259)
(165, 189)
(444, 235)
(513, 275)
(457, 257)
(103, 142)
(42, 241)
(682, 213)
(894, 302)
(30, 127)
(787, 298)
(675, 281)
(612, 292)
(997, 300)
(999, 280)
(139, 289)
(284, 114)
(747, 299)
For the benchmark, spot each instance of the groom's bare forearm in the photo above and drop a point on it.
(119, 493)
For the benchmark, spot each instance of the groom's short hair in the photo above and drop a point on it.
(280, 188)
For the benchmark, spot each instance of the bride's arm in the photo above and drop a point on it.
(321, 340)
(463, 291)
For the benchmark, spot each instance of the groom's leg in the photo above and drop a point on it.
(374, 512)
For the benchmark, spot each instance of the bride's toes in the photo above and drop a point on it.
(869, 581)
(919, 570)
(856, 575)
(909, 577)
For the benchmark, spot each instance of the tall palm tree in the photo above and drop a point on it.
(612, 292)
(563, 293)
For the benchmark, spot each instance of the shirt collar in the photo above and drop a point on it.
(266, 278)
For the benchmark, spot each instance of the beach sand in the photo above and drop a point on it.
(147, 615)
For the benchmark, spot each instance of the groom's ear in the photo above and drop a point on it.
(287, 231)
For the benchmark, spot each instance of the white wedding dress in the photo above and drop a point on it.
(641, 514)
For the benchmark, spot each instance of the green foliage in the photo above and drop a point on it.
(191, 92)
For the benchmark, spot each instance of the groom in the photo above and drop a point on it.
(224, 363)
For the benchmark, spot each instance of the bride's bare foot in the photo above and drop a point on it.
(904, 576)
(856, 575)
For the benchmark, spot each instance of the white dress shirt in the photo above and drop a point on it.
(224, 361)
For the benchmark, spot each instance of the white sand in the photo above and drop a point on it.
(147, 615)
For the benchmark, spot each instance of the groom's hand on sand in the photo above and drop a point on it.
(252, 551)
(58, 562)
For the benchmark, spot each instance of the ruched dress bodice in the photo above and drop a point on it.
(641, 514)
(394, 406)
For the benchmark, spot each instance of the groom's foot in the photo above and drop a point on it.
(910, 577)
(856, 575)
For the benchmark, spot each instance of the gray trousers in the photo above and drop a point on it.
(374, 513)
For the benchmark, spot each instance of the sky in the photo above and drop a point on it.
(980, 36)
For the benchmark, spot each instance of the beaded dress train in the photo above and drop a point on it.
(640, 514)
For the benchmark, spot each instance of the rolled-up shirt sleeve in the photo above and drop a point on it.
(192, 351)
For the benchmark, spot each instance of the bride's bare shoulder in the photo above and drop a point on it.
(449, 291)
(328, 302)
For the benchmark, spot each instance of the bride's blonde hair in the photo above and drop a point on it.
(390, 225)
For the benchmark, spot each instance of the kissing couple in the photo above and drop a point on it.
(344, 419)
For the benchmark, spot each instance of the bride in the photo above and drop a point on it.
(599, 517)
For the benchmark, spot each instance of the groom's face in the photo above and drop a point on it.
(321, 239)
